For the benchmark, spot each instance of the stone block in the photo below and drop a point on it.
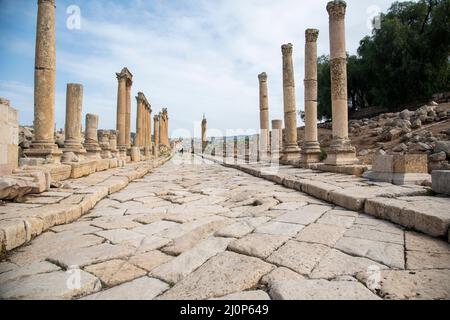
(410, 163)
(82, 169)
(441, 181)
(102, 165)
(20, 184)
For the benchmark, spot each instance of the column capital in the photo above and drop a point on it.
(125, 74)
(156, 118)
(336, 9)
(286, 49)
(311, 35)
(262, 77)
(141, 98)
(51, 2)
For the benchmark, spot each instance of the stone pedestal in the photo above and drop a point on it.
(291, 151)
(91, 138)
(103, 139)
(400, 169)
(441, 182)
(341, 152)
(311, 149)
(113, 143)
(43, 145)
(276, 140)
(263, 116)
(74, 105)
(135, 154)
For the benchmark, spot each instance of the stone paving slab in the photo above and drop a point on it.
(128, 247)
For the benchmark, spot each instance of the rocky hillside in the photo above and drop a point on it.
(425, 130)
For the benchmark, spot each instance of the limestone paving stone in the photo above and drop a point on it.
(335, 217)
(150, 260)
(115, 272)
(411, 285)
(280, 274)
(115, 223)
(389, 254)
(320, 290)
(305, 215)
(28, 270)
(299, 256)
(418, 260)
(257, 295)
(179, 267)
(221, 275)
(86, 256)
(155, 227)
(336, 263)
(258, 244)
(368, 233)
(321, 233)
(419, 242)
(49, 286)
(144, 288)
(153, 243)
(122, 236)
(280, 228)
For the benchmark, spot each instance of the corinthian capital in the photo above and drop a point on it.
(52, 2)
(286, 49)
(336, 9)
(262, 77)
(311, 35)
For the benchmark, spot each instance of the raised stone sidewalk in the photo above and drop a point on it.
(22, 221)
(411, 206)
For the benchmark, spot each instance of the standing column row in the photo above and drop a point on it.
(263, 116)
(143, 122)
(156, 135)
(164, 128)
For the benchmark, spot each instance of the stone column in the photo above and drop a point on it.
(74, 104)
(149, 128)
(43, 145)
(291, 151)
(156, 135)
(140, 121)
(104, 142)
(263, 115)
(341, 152)
(204, 139)
(164, 128)
(128, 115)
(124, 78)
(311, 148)
(91, 138)
(277, 139)
(113, 143)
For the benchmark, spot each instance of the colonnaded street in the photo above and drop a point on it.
(193, 229)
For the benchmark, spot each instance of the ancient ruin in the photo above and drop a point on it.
(359, 212)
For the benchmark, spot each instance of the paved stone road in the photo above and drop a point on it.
(204, 231)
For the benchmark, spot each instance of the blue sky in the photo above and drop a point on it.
(191, 56)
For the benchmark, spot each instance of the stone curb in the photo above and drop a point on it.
(378, 201)
(15, 232)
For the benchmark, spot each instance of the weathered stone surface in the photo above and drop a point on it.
(87, 256)
(404, 284)
(369, 233)
(154, 228)
(419, 242)
(236, 230)
(49, 286)
(258, 244)
(221, 275)
(122, 236)
(257, 295)
(18, 185)
(153, 243)
(290, 206)
(336, 263)
(281, 274)
(441, 181)
(31, 269)
(279, 228)
(305, 215)
(338, 218)
(150, 260)
(320, 290)
(176, 269)
(115, 223)
(115, 272)
(299, 256)
(389, 254)
(321, 233)
(144, 288)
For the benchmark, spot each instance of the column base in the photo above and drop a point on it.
(290, 155)
(341, 152)
(310, 153)
(106, 154)
(49, 151)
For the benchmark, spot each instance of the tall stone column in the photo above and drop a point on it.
(164, 128)
(149, 129)
(140, 117)
(204, 139)
(277, 139)
(128, 115)
(311, 147)
(125, 79)
(263, 116)
(43, 145)
(341, 151)
(74, 105)
(156, 135)
(291, 151)
(91, 138)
